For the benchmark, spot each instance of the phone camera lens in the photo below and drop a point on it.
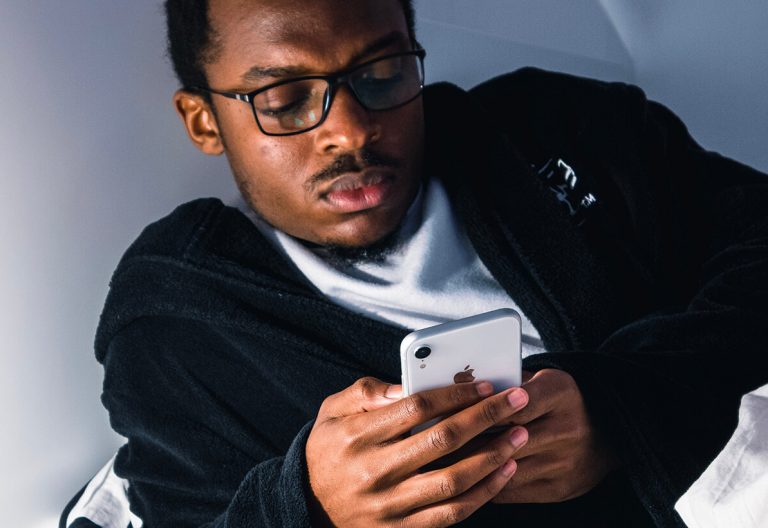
(423, 352)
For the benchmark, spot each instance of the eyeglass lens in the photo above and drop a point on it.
(299, 105)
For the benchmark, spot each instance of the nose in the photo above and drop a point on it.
(347, 127)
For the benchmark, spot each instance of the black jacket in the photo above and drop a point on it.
(218, 352)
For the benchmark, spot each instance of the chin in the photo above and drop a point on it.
(358, 240)
(374, 247)
(364, 232)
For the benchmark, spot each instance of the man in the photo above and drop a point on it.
(250, 355)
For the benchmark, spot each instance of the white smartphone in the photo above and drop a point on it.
(481, 347)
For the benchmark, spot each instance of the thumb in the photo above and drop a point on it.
(364, 395)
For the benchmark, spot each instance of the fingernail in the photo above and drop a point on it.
(394, 392)
(518, 437)
(517, 398)
(509, 468)
(484, 388)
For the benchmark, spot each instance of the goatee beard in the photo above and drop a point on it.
(344, 257)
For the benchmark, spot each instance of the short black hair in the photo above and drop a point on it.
(192, 44)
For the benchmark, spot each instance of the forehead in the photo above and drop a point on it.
(316, 34)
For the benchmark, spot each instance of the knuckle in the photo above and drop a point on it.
(366, 387)
(383, 508)
(456, 513)
(443, 437)
(417, 405)
(495, 458)
(458, 394)
(379, 510)
(351, 437)
(490, 413)
(449, 486)
(368, 478)
(323, 410)
(326, 410)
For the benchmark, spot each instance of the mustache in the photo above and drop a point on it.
(350, 163)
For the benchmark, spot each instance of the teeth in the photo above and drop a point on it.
(349, 185)
(354, 183)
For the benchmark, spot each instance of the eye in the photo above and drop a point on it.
(289, 98)
(374, 82)
(382, 70)
(292, 107)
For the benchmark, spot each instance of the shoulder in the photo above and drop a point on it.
(542, 110)
(192, 263)
(531, 84)
(544, 96)
(546, 112)
(173, 234)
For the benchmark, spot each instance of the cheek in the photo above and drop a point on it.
(273, 175)
(253, 152)
(279, 168)
(281, 155)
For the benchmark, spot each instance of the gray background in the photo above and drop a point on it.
(91, 151)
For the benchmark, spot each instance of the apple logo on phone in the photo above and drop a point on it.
(464, 376)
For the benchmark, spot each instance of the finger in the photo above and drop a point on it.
(457, 509)
(544, 434)
(399, 418)
(475, 444)
(365, 395)
(534, 482)
(435, 486)
(455, 431)
(545, 391)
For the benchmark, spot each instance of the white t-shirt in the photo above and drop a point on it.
(433, 276)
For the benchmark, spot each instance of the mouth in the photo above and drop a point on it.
(355, 192)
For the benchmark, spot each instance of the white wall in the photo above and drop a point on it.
(708, 61)
(470, 41)
(92, 151)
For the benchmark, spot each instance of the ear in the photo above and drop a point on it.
(200, 122)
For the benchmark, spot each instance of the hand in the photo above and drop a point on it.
(565, 456)
(364, 469)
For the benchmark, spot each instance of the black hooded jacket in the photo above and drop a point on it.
(218, 352)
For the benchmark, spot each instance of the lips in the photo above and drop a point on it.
(355, 192)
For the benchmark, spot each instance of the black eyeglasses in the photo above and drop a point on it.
(300, 104)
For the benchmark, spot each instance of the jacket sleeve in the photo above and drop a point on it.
(196, 456)
(666, 387)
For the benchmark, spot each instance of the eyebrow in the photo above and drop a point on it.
(257, 73)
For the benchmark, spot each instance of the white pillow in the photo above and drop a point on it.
(733, 491)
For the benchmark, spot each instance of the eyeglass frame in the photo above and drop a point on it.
(333, 80)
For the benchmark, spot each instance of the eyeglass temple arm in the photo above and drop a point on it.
(239, 97)
(230, 95)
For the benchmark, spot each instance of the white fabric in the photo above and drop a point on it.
(105, 501)
(435, 276)
(733, 491)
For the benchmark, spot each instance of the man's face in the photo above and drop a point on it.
(348, 182)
